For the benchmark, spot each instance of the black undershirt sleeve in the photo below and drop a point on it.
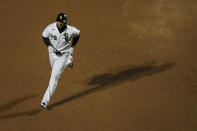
(75, 40)
(46, 41)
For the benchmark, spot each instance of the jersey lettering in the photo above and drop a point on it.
(66, 37)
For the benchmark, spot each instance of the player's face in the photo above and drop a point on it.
(60, 24)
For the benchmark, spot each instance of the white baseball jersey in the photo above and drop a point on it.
(60, 41)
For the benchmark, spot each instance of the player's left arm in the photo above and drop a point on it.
(75, 40)
(76, 36)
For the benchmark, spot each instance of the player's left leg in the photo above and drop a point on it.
(69, 61)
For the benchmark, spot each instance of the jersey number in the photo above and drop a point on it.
(54, 37)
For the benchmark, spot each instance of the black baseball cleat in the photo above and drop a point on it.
(43, 105)
(70, 65)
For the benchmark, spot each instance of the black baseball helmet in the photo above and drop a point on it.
(61, 17)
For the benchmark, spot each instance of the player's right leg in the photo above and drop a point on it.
(52, 59)
(58, 68)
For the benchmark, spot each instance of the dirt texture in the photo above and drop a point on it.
(135, 66)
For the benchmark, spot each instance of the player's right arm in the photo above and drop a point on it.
(46, 41)
(45, 37)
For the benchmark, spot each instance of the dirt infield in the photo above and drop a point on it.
(135, 66)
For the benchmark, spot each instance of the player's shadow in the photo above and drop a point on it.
(107, 80)
(18, 114)
(14, 103)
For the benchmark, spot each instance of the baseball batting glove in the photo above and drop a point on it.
(71, 50)
(51, 49)
(58, 52)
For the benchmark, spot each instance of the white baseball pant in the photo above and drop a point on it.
(58, 64)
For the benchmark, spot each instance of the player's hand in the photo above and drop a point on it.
(57, 52)
(51, 49)
(71, 50)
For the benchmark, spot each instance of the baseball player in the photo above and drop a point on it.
(60, 39)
